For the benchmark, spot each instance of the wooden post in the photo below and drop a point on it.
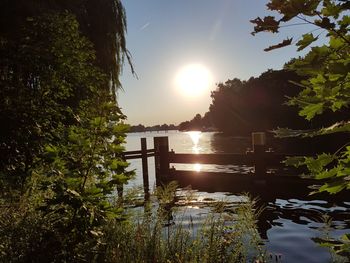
(259, 148)
(145, 167)
(161, 159)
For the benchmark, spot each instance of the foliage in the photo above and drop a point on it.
(326, 68)
(61, 152)
(241, 107)
(258, 104)
(339, 248)
(198, 123)
(223, 237)
(46, 73)
(226, 235)
(102, 22)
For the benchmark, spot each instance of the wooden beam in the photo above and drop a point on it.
(145, 168)
(271, 159)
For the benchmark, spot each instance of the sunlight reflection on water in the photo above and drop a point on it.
(195, 136)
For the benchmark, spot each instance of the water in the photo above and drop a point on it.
(287, 225)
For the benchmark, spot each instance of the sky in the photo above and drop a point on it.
(165, 36)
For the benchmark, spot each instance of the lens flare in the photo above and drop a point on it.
(193, 80)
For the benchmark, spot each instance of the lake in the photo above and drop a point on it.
(288, 226)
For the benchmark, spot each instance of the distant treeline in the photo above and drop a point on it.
(198, 123)
(163, 127)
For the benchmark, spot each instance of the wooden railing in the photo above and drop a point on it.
(128, 155)
(260, 157)
(143, 154)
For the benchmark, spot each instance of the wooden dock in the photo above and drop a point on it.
(261, 158)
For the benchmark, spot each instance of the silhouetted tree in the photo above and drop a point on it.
(35, 60)
(164, 127)
(184, 126)
(197, 123)
(259, 104)
(137, 128)
(102, 22)
(228, 107)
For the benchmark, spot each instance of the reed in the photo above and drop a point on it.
(156, 231)
(151, 235)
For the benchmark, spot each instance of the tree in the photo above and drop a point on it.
(196, 124)
(61, 149)
(241, 107)
(102, 22)
(326, 68)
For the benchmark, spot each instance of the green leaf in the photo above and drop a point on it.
(115, 164)
(318, 80)
(336, 42)
(310, 111)
(346, 238)
(331, 9)
(335, 77)
(295, 161)
(306, 41)
(333, 187)
(327, 174)
(316, 165)
(51, 152)
(345, 21)
(338, 104)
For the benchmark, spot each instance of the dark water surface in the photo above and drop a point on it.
(287, 225)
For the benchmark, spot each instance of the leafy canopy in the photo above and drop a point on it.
(102, 22)
(326, 68)
(61, 148)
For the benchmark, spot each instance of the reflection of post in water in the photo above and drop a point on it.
(265, 216)
(292, 211)
(221, 143)
(259, 147)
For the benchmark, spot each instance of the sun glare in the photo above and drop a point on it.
(193, 80)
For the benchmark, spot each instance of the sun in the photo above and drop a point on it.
(193, 80)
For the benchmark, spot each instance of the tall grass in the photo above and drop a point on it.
(149, 234)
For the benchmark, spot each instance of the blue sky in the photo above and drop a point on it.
(165, 35)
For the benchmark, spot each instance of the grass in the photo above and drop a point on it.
(152, 236)
(155, 232)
